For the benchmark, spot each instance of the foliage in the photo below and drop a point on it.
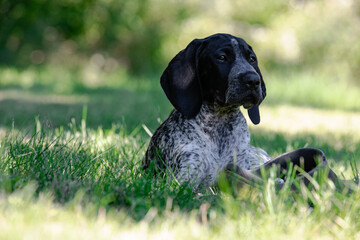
(130, 31)
(142, 35)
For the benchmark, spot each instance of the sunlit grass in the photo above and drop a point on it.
(313, 90)
(287, 119)
(60, 80)
(248, 216)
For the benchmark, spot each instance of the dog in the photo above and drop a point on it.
(207, 82)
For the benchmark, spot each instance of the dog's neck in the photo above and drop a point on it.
(218, 110)
(214, 113)
(219, 122)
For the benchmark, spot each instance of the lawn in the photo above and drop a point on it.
(71, 155)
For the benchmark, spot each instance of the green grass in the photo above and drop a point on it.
(312, 90)
(80, 183)
(104, 166)
(70, 166)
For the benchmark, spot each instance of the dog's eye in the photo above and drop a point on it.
(252, 59)
(221, 58)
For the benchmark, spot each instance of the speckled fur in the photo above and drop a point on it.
(198, 148)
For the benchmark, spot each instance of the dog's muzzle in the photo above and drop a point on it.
(249, 101)
(252, 94)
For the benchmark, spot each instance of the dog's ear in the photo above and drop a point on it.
(254, 113)
(180, 80)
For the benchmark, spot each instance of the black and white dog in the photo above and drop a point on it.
(207, 82)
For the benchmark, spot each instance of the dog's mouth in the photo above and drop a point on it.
(249, 101)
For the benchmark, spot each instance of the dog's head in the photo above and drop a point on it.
(220, 69)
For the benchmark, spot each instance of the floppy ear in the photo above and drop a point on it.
(254, 113)
(180, 80)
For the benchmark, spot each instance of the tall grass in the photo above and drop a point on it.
(105, 166)
(92, 179)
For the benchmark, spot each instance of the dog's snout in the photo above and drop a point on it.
(252, 81)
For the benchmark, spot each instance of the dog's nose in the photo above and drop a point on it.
(252, 81)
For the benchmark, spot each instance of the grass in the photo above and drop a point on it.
(313, 90)
(70, 163)
(88, 184)
(57, 95)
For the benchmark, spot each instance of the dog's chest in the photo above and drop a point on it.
(225, 138)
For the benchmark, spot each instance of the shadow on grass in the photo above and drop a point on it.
(105, 107)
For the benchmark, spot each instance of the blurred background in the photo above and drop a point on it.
(309, 53)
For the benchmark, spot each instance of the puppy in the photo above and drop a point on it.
(206, 83)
